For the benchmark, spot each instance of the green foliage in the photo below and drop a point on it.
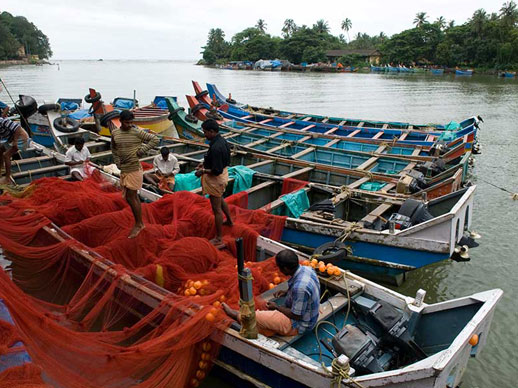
(352, 60)
(16, 32)
(486, 40)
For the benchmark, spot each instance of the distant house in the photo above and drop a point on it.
(370, 56)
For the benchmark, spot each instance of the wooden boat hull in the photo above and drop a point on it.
(463, 72)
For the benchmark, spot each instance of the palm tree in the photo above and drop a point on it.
(289, 27)
(509, 13)
(478, 20)
(261, 25)
(441, 22)
(451, 24)
(346, 26)
(321, 26)
(420, 19)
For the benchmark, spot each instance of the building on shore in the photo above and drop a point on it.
(369, 55)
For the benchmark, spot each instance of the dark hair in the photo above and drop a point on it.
(210, 125)
(79, 140)
(126, 115)
(287, 259)
(164, 151)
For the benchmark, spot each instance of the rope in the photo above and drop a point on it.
(247, 318)
(340, 373)
(514, 196)
(348, 230)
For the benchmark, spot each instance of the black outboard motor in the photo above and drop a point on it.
(395, 328)
(412, 212)
(412, 182)
(362, 349)
(431, 168)
(440, 147)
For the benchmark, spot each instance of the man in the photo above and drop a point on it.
(214, 175)
(11, 133)
(301, 307)
(166, 166)
(4, 109)
(77, 157)
(129, 143)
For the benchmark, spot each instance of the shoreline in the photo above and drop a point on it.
(25, 61)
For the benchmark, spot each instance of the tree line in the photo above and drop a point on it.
(17, 32)
(486, 40)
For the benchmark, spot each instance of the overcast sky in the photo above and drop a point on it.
(172, 29)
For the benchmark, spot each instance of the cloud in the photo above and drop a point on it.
(152, 29)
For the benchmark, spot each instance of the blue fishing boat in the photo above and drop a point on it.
(437, 71)
(378, 69)
(368, 131)
(393, 69)
(463, 72)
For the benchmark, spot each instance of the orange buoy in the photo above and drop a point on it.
(206, 346)
(189, 283)
(210, 317)
(205, 282)
(195, 383)
(200, 375)
(337, 271)
(306, 262)
(222, 298)
(203, 364)
(197, 284)
(187, 293)
(473, 341)
(322, 268)
(276, 280)
(271, 285)
(330, 270)
(192, 291)
(205, 356)
(217, 304)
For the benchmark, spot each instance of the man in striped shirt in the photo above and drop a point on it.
(129, 143)
(11, 133)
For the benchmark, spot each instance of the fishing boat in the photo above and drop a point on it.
(437, 71)
(393, 69)
(463, 72)
(378, 69)
(153, 116)
(402, 341)
(369, 130)
(335, 152)
(507, 74)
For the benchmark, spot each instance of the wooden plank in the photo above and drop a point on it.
(307, 128)
(378, 135)
(360, 124)
(325, 120)
(417, 151)
(403, 136)
(332, 142)
(385, 126)
(376, 213)
(303, 152)
(368, 163)
(354, 133)
(342, 122)
(287, 124)
(307, 118)
(332, 130)
(265, 121)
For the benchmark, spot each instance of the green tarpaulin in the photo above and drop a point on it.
(452, 126)
(296, 203)
(186, 182)
(372, 186)
(242, 176)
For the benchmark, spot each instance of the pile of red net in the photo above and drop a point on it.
(84, 329)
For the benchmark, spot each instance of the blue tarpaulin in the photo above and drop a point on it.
(68, 105)
(123, 103)
(80, 114)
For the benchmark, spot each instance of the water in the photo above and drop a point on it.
(414, 98)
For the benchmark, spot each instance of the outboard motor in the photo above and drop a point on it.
(412, 182)
(431, 168)
(362, 349)
(412, 212)
(440, 147)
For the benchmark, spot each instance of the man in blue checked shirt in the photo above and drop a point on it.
(301, 307)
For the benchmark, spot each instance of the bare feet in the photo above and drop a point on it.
(4, 181)
(217, 242)
(136, 230)
(229, 311)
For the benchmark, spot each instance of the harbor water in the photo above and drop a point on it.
(418, 98)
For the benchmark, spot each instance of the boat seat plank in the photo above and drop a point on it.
(307, 118)
(403, 136)
(360, 124)
(265, 121)
(385, 126)
(325, 120)
(332, 130)
(303, 152)
(368, 163)
(342, 122)
(287, 124)
(378, 135)
(416, 151)
(332, 142)
(308, 127)
(354, 133)
(376, 213)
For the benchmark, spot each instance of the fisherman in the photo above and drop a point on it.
(166, 166)
(77, 157)
(214, 175)
(11, 133)
(129, 143)
(299, 313)
(4, 109)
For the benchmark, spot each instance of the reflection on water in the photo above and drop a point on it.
(419, 98)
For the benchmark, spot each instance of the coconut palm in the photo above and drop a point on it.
(441, 22)
(478, 20)
(289, 27)
(321, 26)
(346, 26)
(261, 25)
(420, 19)
(509, 13)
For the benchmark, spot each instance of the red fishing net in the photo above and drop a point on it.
(290, 185)
(91, 323)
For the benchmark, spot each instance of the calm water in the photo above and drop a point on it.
(416, 98)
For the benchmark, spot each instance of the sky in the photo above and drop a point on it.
(173, 29)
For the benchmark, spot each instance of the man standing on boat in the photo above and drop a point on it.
(300, 311)
(214, 175)
(77, 157)
(129, 143)
(11, 133)
(166, 166)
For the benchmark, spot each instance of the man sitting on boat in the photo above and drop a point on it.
(299, 313)
(166, 166)
(214, 175)
(11, 133)
(77, 157)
